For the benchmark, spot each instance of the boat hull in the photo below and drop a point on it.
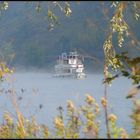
(75, 76)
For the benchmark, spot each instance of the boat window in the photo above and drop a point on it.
(65, 61)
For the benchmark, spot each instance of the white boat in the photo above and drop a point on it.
(70, 66)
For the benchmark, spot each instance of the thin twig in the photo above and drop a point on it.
(106, 111)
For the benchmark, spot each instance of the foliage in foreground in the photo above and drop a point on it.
(78, 122)
(83, 120)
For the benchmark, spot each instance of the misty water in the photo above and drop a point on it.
(42, 94)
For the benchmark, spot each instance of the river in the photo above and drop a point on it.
(42, 94)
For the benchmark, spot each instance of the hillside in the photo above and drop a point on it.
(24, 34)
